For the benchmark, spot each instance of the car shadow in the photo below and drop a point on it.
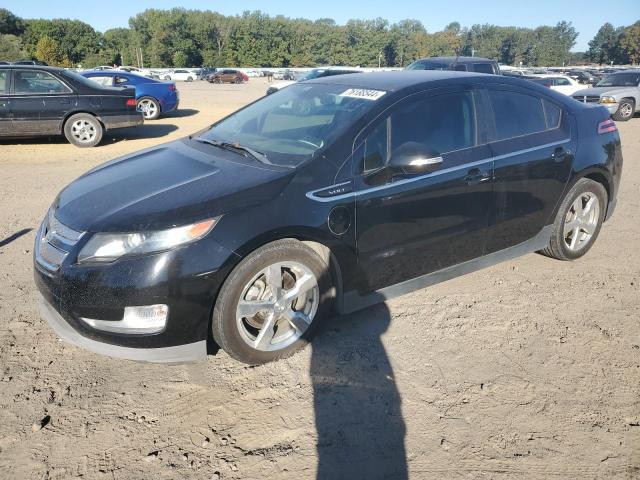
(180, 112)
(148, 130)
(357, 405)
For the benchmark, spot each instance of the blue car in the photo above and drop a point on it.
(153, 96)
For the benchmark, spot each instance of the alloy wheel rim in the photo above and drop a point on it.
(581, 221)
(83, 131)
(148, 108)
(277, 306)
(625, 110)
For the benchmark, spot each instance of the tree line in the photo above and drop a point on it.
(187, 38)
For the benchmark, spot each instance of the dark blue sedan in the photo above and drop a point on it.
(153, 96)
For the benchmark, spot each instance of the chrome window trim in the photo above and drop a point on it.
(311, 195)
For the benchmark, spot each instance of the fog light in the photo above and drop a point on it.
(136, 320)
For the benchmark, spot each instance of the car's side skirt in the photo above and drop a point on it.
(352, 301)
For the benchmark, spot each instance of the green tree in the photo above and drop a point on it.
(11, 48)
(48, 50)
(602, 46)
(630, 43)
(9, 23)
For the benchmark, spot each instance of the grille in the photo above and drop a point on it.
(54, 242)
(587, 98)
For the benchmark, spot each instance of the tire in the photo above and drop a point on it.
(167, 77)
(217, 81)
(83, 130)
(626, 110)
(238, 80)
(189, 79)
(150, 108)
(574, 233)
(292, 264)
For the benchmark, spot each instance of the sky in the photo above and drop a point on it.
(586, 15)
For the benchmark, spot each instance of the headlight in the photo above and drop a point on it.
(107, 247)
(607, 99)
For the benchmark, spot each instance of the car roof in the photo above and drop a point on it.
(33, 67)
(455, 59)
(396, 80)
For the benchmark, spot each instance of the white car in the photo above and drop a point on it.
(559, 83)
(180, 75)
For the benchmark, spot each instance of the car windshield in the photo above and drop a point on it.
(428, 66)
(620, 80)
(289, 126)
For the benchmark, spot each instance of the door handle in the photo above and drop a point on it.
(559, 154)
(476, 176)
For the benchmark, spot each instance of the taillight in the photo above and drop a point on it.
(607, 126)
(172, 87)
(131, 102)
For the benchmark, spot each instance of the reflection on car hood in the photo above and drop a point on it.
(173, 184)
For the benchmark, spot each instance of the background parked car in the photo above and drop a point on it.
(153, 96)
(227, 76)
(559, 83)
(180, 75)
(315, 73)
(582, 76)
(37, 100)
(619, 92)
(464, 64)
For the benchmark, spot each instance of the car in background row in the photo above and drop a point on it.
(227, 75)
(560, 83)
(315, 73)
(153, 96)
(182, 75)
(37, 101)
(619, 92)
(462, 64)
(400, 180)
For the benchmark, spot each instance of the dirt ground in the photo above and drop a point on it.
(529, 369)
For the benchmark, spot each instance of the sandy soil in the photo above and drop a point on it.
(527, 369)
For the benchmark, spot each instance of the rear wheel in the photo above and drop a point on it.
(626, 110)
(149, 107)
(272, 303)
(238, 80)
(83, 130)
(578, 221)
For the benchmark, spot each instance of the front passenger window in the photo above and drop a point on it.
(376, 148)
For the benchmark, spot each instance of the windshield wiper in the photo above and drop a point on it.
(234, 147)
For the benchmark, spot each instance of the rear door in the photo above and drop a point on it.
(39, 102)
(532, 145)
(5, 111)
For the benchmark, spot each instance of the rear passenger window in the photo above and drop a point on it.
(3, 82)
(483, 68)
(552, 114)
(516, 114)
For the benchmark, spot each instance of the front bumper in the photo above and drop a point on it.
(122, 121)
(191, 352)
(186, 280)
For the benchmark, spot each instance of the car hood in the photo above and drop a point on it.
(603, 91)
(173, 184)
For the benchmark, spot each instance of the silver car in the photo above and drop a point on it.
(619, 92)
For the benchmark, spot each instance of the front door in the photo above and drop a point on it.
(411, 225)
(39, 102)
(5, 109)
(533, 149)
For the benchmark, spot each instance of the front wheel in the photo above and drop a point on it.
(272, 303)
(626, 110)
(578, 221)
(83, 130)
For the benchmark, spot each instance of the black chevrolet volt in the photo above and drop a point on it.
(323, 198)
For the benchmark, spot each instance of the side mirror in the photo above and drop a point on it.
(414, 157)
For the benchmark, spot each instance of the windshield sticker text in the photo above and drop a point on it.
(362, 93)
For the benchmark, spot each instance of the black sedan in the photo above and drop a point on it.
(43, 101)
(325, 197)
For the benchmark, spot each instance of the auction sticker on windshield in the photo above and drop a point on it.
(363, 93)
